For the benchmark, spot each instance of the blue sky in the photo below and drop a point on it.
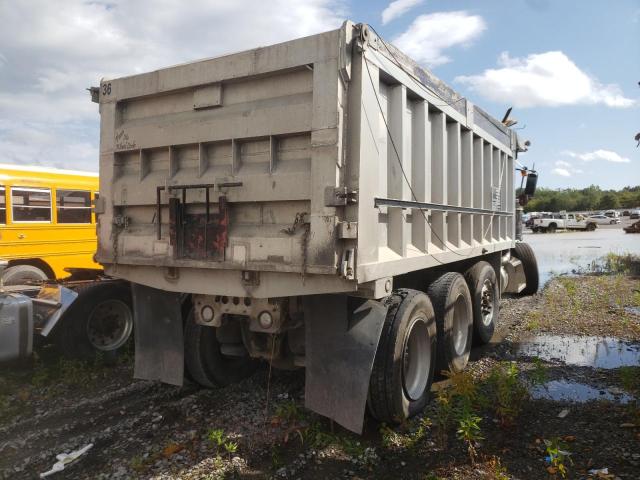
(570, 68)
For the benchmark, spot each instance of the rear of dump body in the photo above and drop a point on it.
(325, 164)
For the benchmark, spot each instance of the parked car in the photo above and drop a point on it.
(612, 214)
(626, 213)
(634, 214)
(603, 220)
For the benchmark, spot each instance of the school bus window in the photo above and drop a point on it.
(3, 206)
(31, 204)
(73, 206)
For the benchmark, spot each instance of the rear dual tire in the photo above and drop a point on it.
(405, 360)
(421, 333)
(204, 360)
(454, 320)
(483, 286)
(524, 253)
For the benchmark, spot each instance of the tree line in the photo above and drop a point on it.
(586, 199)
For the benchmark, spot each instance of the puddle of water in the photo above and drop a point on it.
(568, 391)
(578, 252)
(597, 352)
(632, 310)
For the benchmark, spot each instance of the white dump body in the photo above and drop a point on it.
(333, 163)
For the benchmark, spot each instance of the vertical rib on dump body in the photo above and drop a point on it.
(324, 164)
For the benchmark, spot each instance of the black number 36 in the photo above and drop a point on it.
(106, 89)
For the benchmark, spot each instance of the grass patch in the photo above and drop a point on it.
(589, 305)
(48, 375)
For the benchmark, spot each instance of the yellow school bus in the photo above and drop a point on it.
(46, 222)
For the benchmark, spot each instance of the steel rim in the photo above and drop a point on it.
(109, 325)
(460, 325)
(486, 302)
(416, 359)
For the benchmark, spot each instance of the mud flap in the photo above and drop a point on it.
(158, 335)
(342, 335)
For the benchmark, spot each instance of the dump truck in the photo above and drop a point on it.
(324, 203)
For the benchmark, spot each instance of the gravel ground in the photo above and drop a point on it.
(259, 429)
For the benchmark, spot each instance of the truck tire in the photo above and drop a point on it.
(99, 320)
(405, 361)
(524, 253)
(205, 362)
(454, 320)
(21, 274)
(591, 227)
(485, 300)
(552, 228)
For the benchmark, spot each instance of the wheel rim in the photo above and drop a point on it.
(416, 359)
(109, 325)
(486, 302)
(460, 325)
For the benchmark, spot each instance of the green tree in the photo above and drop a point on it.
(609, 200)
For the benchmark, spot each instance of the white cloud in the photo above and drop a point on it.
(565, 169)
(51, 52)
(429, 35)
(398, 8)
(605, 155)
(543, 79)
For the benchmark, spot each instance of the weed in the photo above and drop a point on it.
(216, 437)
(276, 456)
(316, 437)
(352, 447)
(557, 455)
(292, 418)
(630, 378)
(508, 393)
(138, 463)
(230, 447)
(533, 325)
(421, 432)
(496, 470)
(539, 374)
(570, 286)
(463, 388)
(469, 432)
(390, 438)
(432, 476)
(444, 414)
(621, 264)
(290, 412)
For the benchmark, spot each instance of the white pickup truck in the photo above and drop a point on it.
(566, 221)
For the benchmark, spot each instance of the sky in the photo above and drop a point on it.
(570, 69)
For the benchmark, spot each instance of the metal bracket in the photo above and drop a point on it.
(339, 197)
(347, 230)
(121, 221)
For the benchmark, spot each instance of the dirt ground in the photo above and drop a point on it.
(512, 415)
